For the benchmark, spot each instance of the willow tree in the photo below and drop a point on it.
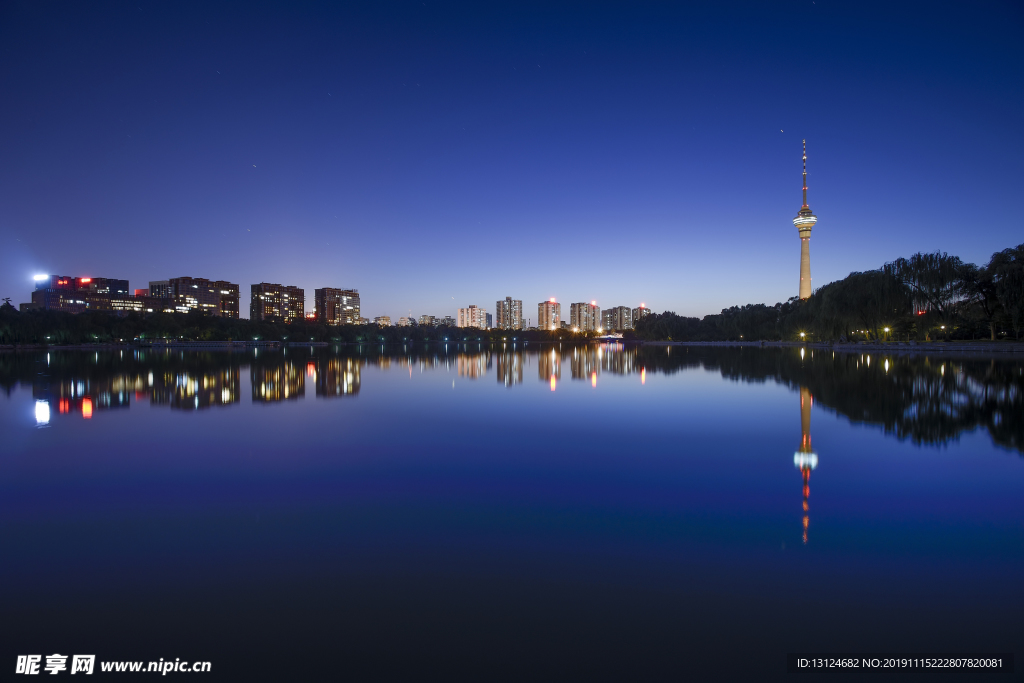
(1007, 268)
(936, 282)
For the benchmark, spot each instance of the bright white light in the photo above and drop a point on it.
(808, 460)
(42, 413)
(40, 278)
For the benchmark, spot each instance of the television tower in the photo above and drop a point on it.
(804, 221)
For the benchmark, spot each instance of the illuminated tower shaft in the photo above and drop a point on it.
(805, 265)
(804, 221)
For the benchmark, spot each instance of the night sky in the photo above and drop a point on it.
(438, 155)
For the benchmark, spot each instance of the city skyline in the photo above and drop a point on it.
(335, 306)
(473, 145)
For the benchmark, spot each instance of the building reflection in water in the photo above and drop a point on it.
(179, 389)
(585, 362)
(283, 381)
(510, 367)
(473, 365)
(617, 359)
(81, 396)
(805, 459)
(191, 390)
(549, 367)
(926, 400)
(335, 376)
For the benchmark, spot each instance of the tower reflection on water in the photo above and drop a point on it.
(805, 459)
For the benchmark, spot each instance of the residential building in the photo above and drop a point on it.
(549, 315)
(585, 317)
(191, 296)
(617, 318)
(427, 320)
(490, 321)
(448, 321)
(383, 320)
(336, 306)
(639, 313)
(276, 301)
(228, 298)
(474, 316)
(405, 321)
(216, 297)
(509, 314)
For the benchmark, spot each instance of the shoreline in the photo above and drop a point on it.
(970, 348)
(965, 348)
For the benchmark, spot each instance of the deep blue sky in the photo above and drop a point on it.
(435, 155)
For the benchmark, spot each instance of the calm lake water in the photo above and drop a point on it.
(499, 512)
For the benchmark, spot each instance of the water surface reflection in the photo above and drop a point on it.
(923, 399)
(468, 500)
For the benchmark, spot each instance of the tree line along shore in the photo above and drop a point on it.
(926, 297)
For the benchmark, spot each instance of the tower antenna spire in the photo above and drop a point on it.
(805, 172)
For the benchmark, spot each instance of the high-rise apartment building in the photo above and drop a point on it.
(549, 315)
(426, 320)
(228, 298)
(216, 297)
(639, 313)
(336, 306)
(585, 317)
(447, 321)
(383, 320)
(509, 314)
(617, 318)
(474, 316)
(276, 301)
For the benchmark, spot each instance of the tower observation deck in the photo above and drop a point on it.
(804, 221)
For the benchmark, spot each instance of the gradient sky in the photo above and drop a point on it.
(435, 155)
